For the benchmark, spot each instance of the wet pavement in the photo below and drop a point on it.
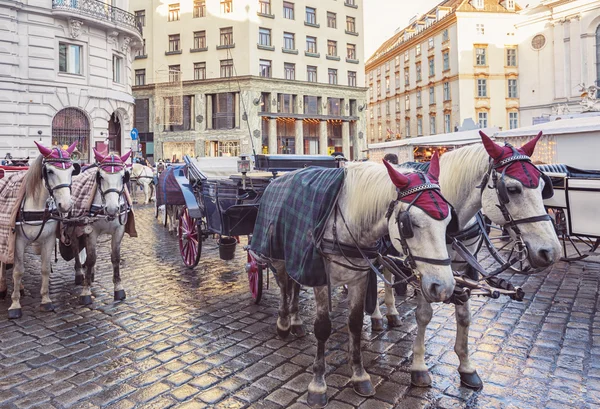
(194, 339)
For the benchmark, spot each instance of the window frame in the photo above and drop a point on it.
(332, 48)
(199, 8)
(447, 91)
(140, 74)
(174, 13)
(265, 68)
(311, 70)
(331, 19)
(118, 72)
(482, 91)
(351, 51)
(351, 24)
(310, 15)
(514, 86)
(226, 6)
(482, 116)
(311, 46)
(199, 39)
(288, 12)
(352, 79)
(510, 57)
(140, 17)
(79, 57)
(289, 71)
(200, 67)
(481, 56)
(226, 37)
(332, 75)
(226, 67)
(174, 43)
(446, 60)
(264, 34)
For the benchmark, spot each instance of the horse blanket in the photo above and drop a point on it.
(168, 191)
(12, 193)
(291, 219)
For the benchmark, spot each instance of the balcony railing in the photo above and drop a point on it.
(97, 9)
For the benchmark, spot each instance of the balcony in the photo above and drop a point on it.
(99, 13)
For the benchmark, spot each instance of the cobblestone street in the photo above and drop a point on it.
(194, 339)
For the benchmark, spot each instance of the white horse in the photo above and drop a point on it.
(47, 191)
(143, 176)
(371, 204)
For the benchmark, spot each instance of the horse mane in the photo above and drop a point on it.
(34, 183)
(461, 171)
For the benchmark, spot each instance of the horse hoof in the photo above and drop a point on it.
(420, 379)
(298, 330)
(2, 295)
(316, 400)
(363, 388)
(120, 295)
(78, 279)
(394, 321)
(15, 314)
(22, 292)
(85, 299)
(471, 381)
(376, 324)
(48, 307)
(283, 333)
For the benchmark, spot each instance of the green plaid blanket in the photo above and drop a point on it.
(292, 215)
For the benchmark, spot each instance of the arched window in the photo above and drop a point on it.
(71, 125)
(598, 58)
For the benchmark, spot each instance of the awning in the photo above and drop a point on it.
(446, 139)
(559, 127)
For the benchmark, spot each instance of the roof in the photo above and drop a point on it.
(446, 139)
(560, 127)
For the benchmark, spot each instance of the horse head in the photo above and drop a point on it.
(57, 172)
(112, 177)
(514, 197)
(417, 227)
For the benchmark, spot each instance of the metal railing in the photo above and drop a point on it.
(99, 10)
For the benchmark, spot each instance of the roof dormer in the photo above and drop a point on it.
(478, 4)
(508, 4)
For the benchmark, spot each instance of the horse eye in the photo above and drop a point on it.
(514, 190)
(50, 172)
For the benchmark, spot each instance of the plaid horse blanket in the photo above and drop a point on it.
(12, 193)
(292, 216)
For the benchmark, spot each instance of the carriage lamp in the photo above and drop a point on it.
(243, 165)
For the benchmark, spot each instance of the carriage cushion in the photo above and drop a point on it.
(12, 192)
(292, 216)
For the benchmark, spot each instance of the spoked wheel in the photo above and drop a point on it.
(574, 247)
(255, 277)
(190, 241)
(502, 247)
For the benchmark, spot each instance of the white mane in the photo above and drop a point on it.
(461, 170)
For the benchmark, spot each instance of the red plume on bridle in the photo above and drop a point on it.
(398, 179)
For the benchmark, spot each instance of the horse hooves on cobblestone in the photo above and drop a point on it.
(363, 388)
(15, 314)
(471, 381)
(394, 321)
(79, 279)
(120, 295)
(48, 307)
(298, 330)
(85, 299)
(420, 379)
(316, 400)
(376, 324)
(283, 333)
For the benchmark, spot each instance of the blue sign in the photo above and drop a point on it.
(134, 134)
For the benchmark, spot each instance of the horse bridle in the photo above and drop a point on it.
(103, 193)
(45, 175)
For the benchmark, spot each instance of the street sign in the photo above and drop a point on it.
(134, 134)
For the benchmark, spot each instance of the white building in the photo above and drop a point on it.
(559, 58)
(65, 74)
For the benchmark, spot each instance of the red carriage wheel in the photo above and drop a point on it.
(190, 241)
(255, 278)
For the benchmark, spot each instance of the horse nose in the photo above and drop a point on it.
(546, 256)
(434, 291)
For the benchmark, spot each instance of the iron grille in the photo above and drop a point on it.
(99, 10)
(71, 125)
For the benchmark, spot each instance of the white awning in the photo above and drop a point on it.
(560, 127)
(446, 139)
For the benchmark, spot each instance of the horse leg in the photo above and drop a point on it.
(377, 318)
(78, 268)
(46, 248)
(317, 389)
(90, 264)
(14, 311)
(361, 381)
(146, 193)
(468, 374)
(3, 286)
(115, 258)
(419, 375)
(297, 325)
(283, 321)
(393, 316)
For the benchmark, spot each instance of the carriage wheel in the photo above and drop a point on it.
(574, 247)
(190, 242)
(255, 278)
(500, 246)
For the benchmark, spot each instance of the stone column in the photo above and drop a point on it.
(299, 140)
(272, 136)
(323, 137)
(236, 107)
(346, 139)
(209, 109)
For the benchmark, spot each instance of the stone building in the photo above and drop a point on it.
(229, 77)
(65, 74)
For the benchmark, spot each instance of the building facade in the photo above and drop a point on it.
(230, 77)
(65, 75)
(455, 62)
(559, 53)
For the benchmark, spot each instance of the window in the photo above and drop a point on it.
(432, 125)
(378, 88)
(311, 73)
(387, 66)
(332, 48)
(174, 42)
(199, 70)
(288, 10)
(69, 58)
(350, 24)
(332, 76)
(140, 77)
(446, 60)
(397, 104)
(406, 77)
(199, 8)
(285, 103)
(173, 12)
(223, 110)
(511, 57)
(510, 4)
(482, 88)
(387, 85)
(445, 36)
(226, 6)
(512, 89)
(478, 4)
(446, 91)
(406, 56)
(431, 95)
(419, 126)
(311, 44)
(311, 15)
(227, 36)
(483, 119)
(351, 51)
(264, 36)
(265, 7)
(538, 42)
(406, 102)
(289, 71)
(117, 69)
(387, 107)
(397, 80)
(407, 127)
(419, 76)
(397, 61)
(480, 29)
(419, 99)
(289, 42)
(140, 17)
(431, 67)
(418, 50)
(174, 73)
(513, 120)
(352, 78)
(265, 68)
(199, 39)
(331, 20)
(430, 43)
(480, 56)
(142, 52)
(141, 115)
(447, 123)
(226, 68)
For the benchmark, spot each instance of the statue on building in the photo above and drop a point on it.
(589, 98)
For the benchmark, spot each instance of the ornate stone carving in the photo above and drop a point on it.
(126, 44)
(75, 27)
(589, 98)
(113, 37)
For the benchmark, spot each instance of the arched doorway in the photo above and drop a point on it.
(71, 125)
(114, 134)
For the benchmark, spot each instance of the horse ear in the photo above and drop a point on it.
(493, 149)
(43, 150)
(434, 166)
(398, 179)
(72, 148)
(99, 157)
(529, 147)
(125, 157)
